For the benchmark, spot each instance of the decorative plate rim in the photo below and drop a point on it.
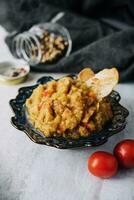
(19, 121)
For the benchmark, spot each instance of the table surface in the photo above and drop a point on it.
(29, 171)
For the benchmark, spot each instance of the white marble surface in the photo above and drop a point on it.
(35, 172)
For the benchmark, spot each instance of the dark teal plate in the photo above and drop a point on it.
(21, 122)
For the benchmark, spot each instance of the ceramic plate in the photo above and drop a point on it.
(20, 121)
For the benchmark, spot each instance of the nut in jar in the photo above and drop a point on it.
(44, 43)
(53, 47)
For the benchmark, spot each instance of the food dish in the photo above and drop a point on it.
(13, 72)
(22, 122)
(67, 108)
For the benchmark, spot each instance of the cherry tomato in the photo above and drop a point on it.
(102, 164)
(124, 152)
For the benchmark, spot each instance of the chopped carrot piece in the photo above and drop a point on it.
(47, 93)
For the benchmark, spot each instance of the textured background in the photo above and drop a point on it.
(35, 172)
(102, 31)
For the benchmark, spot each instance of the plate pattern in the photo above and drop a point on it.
(19, 120)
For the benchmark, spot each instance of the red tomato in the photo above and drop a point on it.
(102, 164)
(124, 152)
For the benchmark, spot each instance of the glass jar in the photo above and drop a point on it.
(43, 43)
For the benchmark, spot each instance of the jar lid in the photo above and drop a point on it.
(13, 72)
